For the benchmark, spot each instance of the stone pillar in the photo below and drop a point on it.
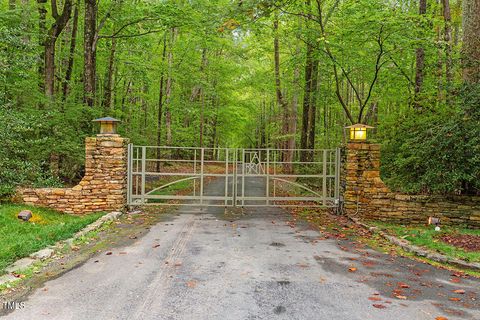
(104, 186)
(365, 192)
(367, 197)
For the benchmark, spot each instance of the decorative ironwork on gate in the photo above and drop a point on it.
(233, 177)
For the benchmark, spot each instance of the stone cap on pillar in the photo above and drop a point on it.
(108, 126)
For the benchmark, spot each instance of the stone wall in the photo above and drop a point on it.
(103, 188)
(366, 196)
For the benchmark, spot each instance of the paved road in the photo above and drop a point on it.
(259, 265)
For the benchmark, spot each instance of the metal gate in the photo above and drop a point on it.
(233, 177)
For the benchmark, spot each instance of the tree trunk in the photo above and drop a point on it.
(144, 108)
(168, 89)
(202, 97)
(107, 96)
(471, 41)
(420, 62)
(313, 108)
(89, 65)
(55, 30)
(448, 49)
(71, 55)
(284, 108)
(160, 102)
(306, 100)
(293, 114)
(42, 31)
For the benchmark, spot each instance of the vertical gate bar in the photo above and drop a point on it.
(226, 176)
(274, 173)
(268, 177)
(144, 156)
(194, 171)
(243, 177)
(337, 175)
(137, 169)
(324, 179)
(234, 187)
(129, 174)
(202, 152)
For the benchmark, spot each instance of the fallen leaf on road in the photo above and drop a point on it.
(441, 318)
(403, 285)
(178, 264)
(95, 261)
(374, 298)
(108, 253)
(352, 269)
(455, 280)
(401, 297)
(191, 284)
(379, 306)
(454, 299)
(459, 291)
(155, 246)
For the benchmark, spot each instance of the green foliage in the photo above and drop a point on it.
(18, 239)
(434, 151)
(39, 148)
(218, 58)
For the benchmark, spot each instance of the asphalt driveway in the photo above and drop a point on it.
(208, 264)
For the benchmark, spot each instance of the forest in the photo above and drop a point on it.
(243, 73)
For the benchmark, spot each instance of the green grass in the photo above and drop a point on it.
(429, 238)
(18, 239)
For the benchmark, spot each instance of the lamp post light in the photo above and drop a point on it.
(358, 131)
(434, 221)
(108, 125)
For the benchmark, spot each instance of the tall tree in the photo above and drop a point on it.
(89, 54)
(160, 100)
(307, 94)
(281, 101)
(42, 30)
(108, 85)
(57, 27)
(419, 60)
(168, 88)
(471, 41)
(71, 53)
(447, 17)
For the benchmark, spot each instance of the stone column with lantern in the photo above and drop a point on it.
(104, 185)
(364, 189)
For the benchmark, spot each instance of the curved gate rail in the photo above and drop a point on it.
(233, 177)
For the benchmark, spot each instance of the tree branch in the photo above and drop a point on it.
(378, 66)
(54, 10)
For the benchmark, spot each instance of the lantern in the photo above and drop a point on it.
(108, 125)
(358, 132)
